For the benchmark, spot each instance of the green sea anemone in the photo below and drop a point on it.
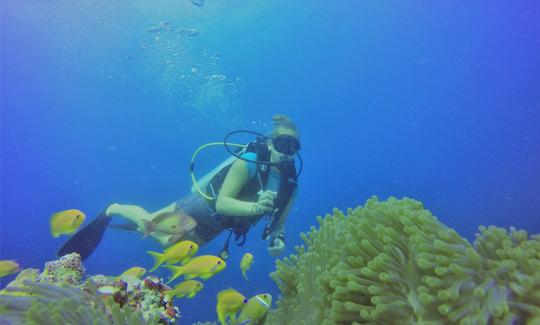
(393, 261)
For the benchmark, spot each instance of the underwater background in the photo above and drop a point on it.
(106, 101)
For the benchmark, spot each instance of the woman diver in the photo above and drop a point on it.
(261, 182)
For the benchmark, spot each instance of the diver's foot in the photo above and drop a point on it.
(112, 209)
(132, 213)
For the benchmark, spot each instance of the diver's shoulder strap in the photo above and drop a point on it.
(260, 148)
(214, 183)
(205, 180)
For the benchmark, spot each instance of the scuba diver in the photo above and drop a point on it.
(259, 181)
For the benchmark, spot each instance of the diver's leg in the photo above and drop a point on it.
(169, 208)
(137, 214)
(133, 213)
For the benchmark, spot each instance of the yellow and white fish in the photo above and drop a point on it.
(136, 272)
(229, 302)
(245, 264)
(187, 288)
(177, 253)
(204, 267)
(66, 221)
(8, 267)
(255, 310)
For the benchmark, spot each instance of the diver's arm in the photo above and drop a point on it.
(226, 202)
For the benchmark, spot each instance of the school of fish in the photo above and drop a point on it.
(232, 307)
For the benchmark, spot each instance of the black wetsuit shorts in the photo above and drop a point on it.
(209, 223)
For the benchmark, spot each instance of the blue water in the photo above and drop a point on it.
(438, 101)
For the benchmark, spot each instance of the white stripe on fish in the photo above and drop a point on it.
(262, 302)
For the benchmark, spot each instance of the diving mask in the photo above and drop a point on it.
(286, 144)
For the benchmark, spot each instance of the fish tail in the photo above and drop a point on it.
(221, 314)
(148, 228)
(245, 276)
(190, 276)
(176, 272)
(158, 258)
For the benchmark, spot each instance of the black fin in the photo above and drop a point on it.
(87, 239)
(124, 226)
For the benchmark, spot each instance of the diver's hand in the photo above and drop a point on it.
(265, 204)
(276, 249)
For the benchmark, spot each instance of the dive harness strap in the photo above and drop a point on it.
(258, 147)
(239, 238)
(287, 186)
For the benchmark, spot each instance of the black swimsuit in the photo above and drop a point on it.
(209, 222)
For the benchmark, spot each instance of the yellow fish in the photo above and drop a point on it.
(187, 288)
(136, 272)
(256, 309)
(229, 301)
(204, 267)
(179, 252)
(245, 264)
(66, 222)
(8, 267)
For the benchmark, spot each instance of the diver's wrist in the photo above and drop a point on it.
(255, 209)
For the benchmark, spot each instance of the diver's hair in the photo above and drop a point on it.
(283, 121)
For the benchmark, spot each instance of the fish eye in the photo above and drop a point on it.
(191, 246)
(173, 227)
(245, 301)
(219, 262)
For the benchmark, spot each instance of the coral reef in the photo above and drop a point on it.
(57, 296)
(68, 269)
(64, 304)
(26, 274)
(393, 260)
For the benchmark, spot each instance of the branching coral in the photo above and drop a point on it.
(394, 261)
